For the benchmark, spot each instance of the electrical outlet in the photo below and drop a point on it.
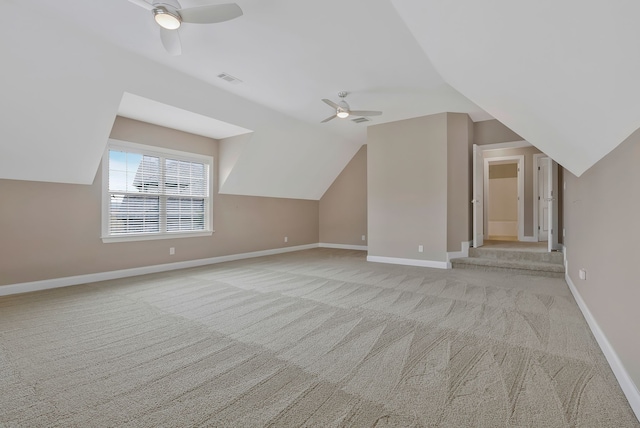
(172, 251)
(583, 274)
(420, 248)
(286, 239)
(364, 238)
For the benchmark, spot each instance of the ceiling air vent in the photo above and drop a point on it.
(360, 120)
(229, 78)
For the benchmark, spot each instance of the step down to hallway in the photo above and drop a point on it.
(517, 261)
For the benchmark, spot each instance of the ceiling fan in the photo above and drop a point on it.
(169, 15)
(343, 110)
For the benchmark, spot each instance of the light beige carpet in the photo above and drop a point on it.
(314, 338)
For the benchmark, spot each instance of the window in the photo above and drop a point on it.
(154, 193)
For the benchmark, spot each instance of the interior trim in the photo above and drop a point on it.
(518, 160)
(627, 385)
(343, 246)
(464, 252)
(409, 262)
(46, 284)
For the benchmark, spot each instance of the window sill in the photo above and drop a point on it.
(149, 237)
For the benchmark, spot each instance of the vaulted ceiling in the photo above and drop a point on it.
(561, 75)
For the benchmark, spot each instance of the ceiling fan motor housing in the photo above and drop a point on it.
(169, 19)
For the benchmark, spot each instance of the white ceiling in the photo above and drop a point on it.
(562, 74)
(150, 111)
(290, 54)
(70, 66)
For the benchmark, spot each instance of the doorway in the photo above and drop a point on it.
(502, 200)
(528, 209)
(546, 201)
(504, 197)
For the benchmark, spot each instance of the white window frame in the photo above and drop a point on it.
(161, 153)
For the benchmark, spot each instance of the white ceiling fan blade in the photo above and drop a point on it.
(171, 41)
(143, 4)
(329, 118)
(331, 103)
(364, 113)
(210, 14)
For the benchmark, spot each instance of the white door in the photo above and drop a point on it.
(543, 194)
(552, 199)
(478, 197)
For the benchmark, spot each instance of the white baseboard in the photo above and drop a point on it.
(464, 252)
(528, 239)
(409, 262)
(46, 284)
(629, 388)
(343, 246)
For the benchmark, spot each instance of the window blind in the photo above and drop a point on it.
(186, 183)
(156, 194)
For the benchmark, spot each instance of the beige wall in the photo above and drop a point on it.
(493, 131)
(343, 207)
(459, 179)
(506, 170)
(601, 211)
(502, 218)
(503, 199)
(407, 188)
(53, 230)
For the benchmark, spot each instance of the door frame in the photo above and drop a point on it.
(553, 242)
(519, 160)
(478, 150)
(536, 217)
(477, 203)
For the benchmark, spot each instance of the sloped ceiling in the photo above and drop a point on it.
(69, 67)
(62, 91)
(146, 110)
(562, 74)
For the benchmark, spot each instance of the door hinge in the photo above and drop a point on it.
(538, 227)
(538, 197)
(538, 168)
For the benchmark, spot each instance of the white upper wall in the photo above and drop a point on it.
(62, 88)
(60, 95)
(563, 75)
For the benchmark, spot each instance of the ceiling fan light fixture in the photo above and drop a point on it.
(342, 114)
(166, 19)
